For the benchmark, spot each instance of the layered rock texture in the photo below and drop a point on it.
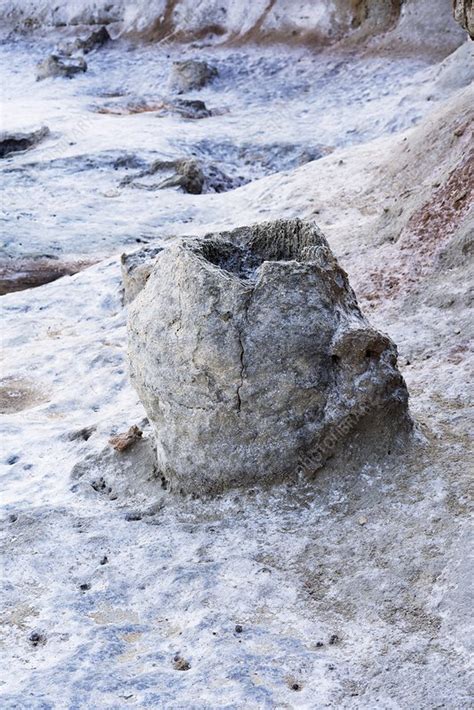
(464, 14)
(252, 358)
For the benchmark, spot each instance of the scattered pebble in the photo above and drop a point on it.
(180, 664)
(37, 639)
(126, 439)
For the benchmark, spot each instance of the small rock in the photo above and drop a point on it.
(133, 515)
(85, 433)
(180, 664)
(362, 520)
(126, 439)
(333, 639)
(19, 141)
(193, 109)
(94, 40)
(84, 587)
(238, 628)
(54, 66)
(190, 74)
(188, 176)
(36, 639)
(104, 560)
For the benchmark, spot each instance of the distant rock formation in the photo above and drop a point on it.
(420, 24)
(253, 360)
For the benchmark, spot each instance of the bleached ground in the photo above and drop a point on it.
(351, 590)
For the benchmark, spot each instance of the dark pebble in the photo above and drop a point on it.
(133, 515)
(238, 628)
(37, 639)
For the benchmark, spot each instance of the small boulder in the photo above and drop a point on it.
(191, 109)
(253, 360)
(188, 176)
(190, 75)
(54, 66)
(18, 141)
(123, 441)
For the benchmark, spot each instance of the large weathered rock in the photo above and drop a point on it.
(252, 358)
(190, 74)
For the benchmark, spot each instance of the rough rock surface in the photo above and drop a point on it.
(190, 75)
(136, 268)
(252, 358)
(18, 141)
(464, 14)
(54, 66)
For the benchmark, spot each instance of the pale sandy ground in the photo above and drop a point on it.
(352, 590)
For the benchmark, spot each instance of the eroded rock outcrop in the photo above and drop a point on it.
(248, 351)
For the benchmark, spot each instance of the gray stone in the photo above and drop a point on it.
(54, 66)
(18, 141)
(252, 359)
(190, 75)
(136, 268)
